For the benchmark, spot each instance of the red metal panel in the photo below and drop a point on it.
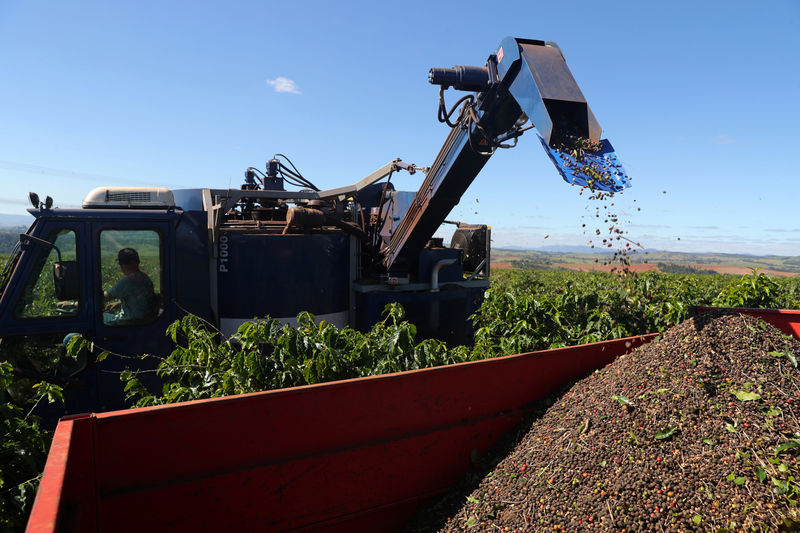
(333, 487)
(44, 515)
(66, 499)
(338, 456)
(786, 320)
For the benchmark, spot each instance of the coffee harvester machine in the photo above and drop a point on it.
(378, 242)
(229, 255)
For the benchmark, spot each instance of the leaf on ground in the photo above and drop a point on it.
(794, 443)
(788, 355)
(666, 433)
(747, 396)
(622, 400)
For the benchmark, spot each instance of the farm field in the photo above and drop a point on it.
(670, 262)
(641, 267)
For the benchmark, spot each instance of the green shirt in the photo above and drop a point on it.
(135, 292)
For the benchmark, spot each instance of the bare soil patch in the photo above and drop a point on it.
(588, 267)
(741, 271)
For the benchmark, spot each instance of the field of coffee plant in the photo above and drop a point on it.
(532, 310)
(524, 310)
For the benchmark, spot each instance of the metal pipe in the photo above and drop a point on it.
(28, 238)
(478, 269)
(435, 273)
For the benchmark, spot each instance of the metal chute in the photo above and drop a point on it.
(543, 86)
(523, 81)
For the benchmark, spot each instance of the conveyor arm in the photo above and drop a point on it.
(524, 80)
(340, 193)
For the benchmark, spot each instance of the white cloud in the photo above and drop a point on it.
(723, 139)
(284, 85)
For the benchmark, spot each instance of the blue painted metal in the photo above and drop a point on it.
(595, 170)
(443, 315)
(281, 275)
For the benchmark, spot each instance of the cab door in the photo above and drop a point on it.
(38, 311)
(124, 324)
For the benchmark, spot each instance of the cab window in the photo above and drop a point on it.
(53, 288)
(130, 277)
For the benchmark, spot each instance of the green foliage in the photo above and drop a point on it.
(23, 450)
(753, 290)
(265, 354)
(523, 311)
(671, 268)
(534, 263)
(785, 486)
(7, 268)
(531, 310)
(9, 237)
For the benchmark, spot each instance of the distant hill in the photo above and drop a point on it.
(570, 249)
(665, 261)
(10, 228)
(14, 221)
(9, 238)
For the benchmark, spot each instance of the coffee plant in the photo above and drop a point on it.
(523, 311)
(265, 354)
(755, 290)
(23, 450)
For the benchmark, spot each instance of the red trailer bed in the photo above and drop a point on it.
(355, 455)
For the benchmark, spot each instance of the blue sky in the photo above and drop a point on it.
(700, 100)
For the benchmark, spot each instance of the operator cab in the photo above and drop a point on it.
(70, 274)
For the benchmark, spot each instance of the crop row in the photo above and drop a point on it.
(523, 311)
(529, 310)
